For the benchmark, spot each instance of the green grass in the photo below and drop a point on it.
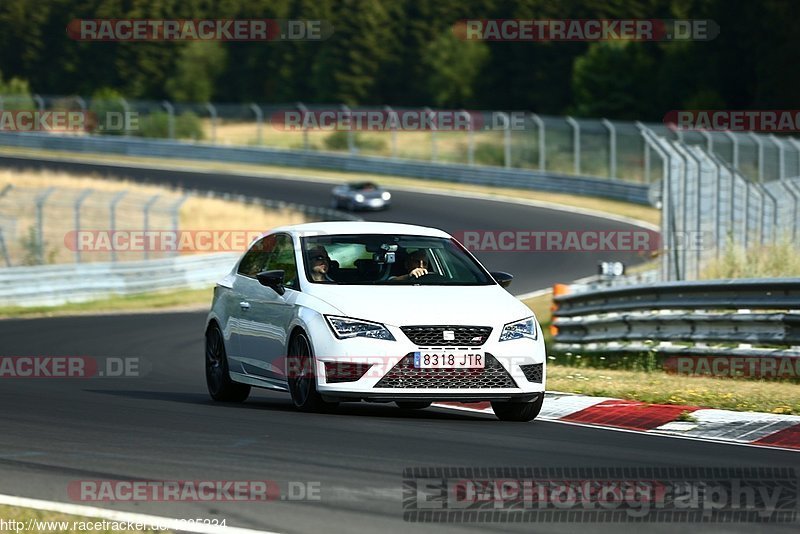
(768, 261)
(161, 301)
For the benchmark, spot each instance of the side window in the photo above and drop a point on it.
(282, 258)
(256, 258)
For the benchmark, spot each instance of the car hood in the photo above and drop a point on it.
(413, 305)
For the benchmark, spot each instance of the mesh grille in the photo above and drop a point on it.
(433, 336)
(533, 372)
(405, 375)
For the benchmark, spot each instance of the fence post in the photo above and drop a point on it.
(612, 148)
(393, 121)
(470, 138)
(642, 130)
(39, 102)
(434, 153)
(170, 118)
(576, 143)
(176, 219)
(127, 110)
(212, 111)
(795, 143)
(669, 262)
(781, 158)
(542, 147)
(3, 249)
(146, 212)
(259, 122)
(794, 187)
(735, 144)
(303, 111)
(112, 209)
(506, 138)
(40, 200)
(351, 137)
(760, 152)
(78, 201)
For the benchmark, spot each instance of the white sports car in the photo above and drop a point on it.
(380, 312)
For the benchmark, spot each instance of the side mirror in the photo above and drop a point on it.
(502, 278)
(273, 280)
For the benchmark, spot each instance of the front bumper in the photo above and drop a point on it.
(381, 358)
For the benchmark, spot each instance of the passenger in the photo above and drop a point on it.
(416, 264)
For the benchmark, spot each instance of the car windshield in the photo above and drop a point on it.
(363, 186)
(367, 259)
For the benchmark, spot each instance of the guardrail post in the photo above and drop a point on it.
(78, 202)
(760, 153)
(170, 118)
(259, 123)
(3, 249)
(781, 159)
(542, 147)
(351, 136)
(212, 111)
(576, 143)
(40, 201)
(303, 110)
(735, 151)
(470, 138)
(393, 121)
(112, 210)
(612, 148)
(39, 102)
(430, 113)
(146, 212)
(176, 219)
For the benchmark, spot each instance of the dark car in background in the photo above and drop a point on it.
(360, 196)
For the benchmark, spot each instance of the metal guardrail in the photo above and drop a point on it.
(705, 317)
(52, 285)
(473, 174)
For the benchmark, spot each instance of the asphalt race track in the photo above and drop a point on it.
(532, 270)
(162, 425)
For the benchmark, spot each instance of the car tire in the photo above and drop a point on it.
(218, 377)
(412, 405)
(518, 411)
(302, 378)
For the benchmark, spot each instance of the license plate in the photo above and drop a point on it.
(449, 360)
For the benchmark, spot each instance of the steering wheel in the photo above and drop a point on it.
(428, 278)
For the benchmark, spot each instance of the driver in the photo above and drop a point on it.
(416, 264)
(320, 264)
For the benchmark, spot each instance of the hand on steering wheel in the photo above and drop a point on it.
(417, 272)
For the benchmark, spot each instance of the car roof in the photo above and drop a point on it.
(360, 227)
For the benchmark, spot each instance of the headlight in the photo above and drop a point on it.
(359, 198)
(386, 195)
(520, 329)
(347, 327)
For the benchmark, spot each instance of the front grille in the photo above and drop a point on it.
(433, 336)
(533, 372)
(405, 375)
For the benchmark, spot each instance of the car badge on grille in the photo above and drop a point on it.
(477, 339)
(448, 335)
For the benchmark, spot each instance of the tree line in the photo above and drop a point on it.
(405, 53)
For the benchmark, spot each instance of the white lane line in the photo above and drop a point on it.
(114, 515)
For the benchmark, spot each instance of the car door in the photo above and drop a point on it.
(264, 333)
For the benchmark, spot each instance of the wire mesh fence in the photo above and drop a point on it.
(589, 147)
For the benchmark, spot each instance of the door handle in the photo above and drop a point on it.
(244, 305)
